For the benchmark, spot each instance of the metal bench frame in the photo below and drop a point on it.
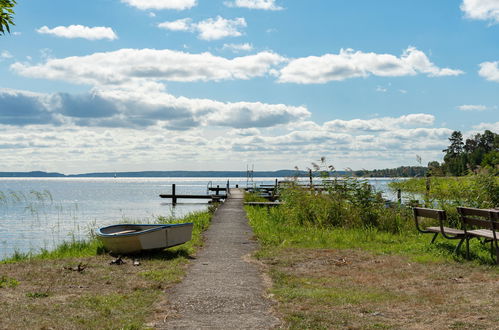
(487, 222)
(441, 216)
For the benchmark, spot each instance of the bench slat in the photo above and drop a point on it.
(447, 230)
(485, 233)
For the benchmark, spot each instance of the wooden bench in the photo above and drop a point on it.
(441, 216)
(481, 224)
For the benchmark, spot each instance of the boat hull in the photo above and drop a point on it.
(133, 238)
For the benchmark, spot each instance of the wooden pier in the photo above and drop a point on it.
(214, 198)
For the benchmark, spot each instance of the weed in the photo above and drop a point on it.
(8, 282)
(37, 294)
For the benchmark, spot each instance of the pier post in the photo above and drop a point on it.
(399, 196)
(174, 199)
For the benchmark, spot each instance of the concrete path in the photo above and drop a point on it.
(222, 290)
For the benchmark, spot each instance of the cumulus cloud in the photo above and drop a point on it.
(238, 47)
(5, 54)
(487, 10)
(380, 124)
(351, 64)
(254, 4)
(25, 108)
(489, 71)
(178, 25)
(143, 67)
(472, 107)
(209, 29)
(161, 4)
(118, 108)
(80, 31)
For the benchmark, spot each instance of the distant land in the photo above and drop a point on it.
(402, 171)
(161, 174)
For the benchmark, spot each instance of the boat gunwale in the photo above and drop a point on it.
(145, 231)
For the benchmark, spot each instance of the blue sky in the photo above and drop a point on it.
(129, 85)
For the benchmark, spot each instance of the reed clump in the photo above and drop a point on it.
(346, 203)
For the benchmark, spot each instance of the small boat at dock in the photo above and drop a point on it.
(133, 238)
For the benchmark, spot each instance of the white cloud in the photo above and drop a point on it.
(209, 29)
(254, 4)
(351, 64)
(178, 25)
(489, 71)
(472, 107)
(239, 47)
(161, 4)
(144, 67)
(494, 127)
(128, 109)
(380, 124)
(5, 54)
(80, 31)
(487, 10)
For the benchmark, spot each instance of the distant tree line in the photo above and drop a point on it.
(470, 156)
(401, 172)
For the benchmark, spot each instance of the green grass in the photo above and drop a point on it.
(93, 246)
(50, 294)
(110, 310)
(274, 234)
(314, 296)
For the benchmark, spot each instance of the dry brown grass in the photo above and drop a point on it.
(360, 290)
(102, 296)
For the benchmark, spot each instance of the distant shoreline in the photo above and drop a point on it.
(158, 174)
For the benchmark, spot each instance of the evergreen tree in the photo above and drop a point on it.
(455, 159)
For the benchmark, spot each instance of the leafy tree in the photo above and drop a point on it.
(6, 15)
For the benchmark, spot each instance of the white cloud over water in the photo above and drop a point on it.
(80, 31)
(353, 64)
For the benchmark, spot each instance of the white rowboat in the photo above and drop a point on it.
(132, 238)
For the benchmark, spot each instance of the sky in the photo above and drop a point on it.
(137, 85)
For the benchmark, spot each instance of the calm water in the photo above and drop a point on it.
(41, 212)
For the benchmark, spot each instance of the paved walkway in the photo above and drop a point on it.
(221, 289)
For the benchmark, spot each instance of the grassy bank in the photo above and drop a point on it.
(50, 290)
(344, 260)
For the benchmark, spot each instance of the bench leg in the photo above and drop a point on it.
(458, 246)
(434, 238)
(467, 248)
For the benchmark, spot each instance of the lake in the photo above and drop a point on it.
(40, 213)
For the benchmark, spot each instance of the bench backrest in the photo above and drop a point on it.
(484, 218)
(420, 212)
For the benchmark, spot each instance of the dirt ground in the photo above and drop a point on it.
(359, 290)
(55, 294)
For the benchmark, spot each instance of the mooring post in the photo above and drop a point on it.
(399, 196)
(174, 199)
(218, 189)
(227, 192)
